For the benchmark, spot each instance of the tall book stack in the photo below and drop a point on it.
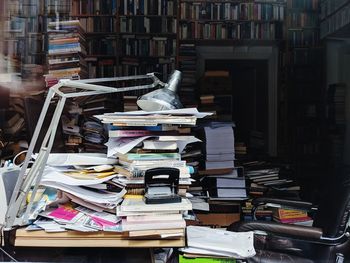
(149, 140)
(220, 185)
(65, 52)
(145, 140)
(65, 60)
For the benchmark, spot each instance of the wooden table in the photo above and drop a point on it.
(93, 239)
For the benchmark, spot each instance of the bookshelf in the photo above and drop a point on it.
(236, 20)
(306, 94)
(99, 20)
(148, 36)
(22, 42)
(335, 18)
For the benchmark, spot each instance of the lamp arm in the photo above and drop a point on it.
(25, 182)
(94, 89)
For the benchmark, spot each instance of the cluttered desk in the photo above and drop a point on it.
(131, 197)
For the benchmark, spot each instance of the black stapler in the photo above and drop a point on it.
(162, 185)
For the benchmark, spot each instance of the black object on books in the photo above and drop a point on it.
(162, 185)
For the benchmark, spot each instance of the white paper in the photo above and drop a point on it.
(88, 195)
(181, 141)
(67, 159)
(235, 244)
(192, 250)
(123, 144)
(183, 111)
(51, 175)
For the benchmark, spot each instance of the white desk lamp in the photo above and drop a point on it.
(162, 99)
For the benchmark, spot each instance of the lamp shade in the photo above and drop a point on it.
(163, 99)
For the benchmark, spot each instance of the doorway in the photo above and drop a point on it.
(249, 99)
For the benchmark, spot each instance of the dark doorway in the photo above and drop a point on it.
(250, 99)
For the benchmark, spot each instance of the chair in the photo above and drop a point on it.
(326, 241)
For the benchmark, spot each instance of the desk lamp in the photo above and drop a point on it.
(162, 99)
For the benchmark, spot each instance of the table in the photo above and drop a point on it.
(92, 239)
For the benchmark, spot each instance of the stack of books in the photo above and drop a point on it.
(220, 186)
(93, 131)
(219, 148)
(262, 176)
(292, 216)
(143, 220)
(65, 52)
(143, 140)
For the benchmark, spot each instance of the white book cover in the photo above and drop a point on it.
(159, 217)
(134, 226)
(138, 204)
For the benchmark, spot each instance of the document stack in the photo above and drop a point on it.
(86, 197)
(143, 140)
(65, 52)
(211, 244)
(220, 186)
(219, 148)
(153, 220)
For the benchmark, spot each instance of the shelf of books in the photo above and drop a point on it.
(148, 36)
(236, 20)
(335, 18)
(98, 19)
(303, 23)
(306, 96)
(66, 50)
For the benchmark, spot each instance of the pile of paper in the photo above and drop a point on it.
(87, 197)
(144, 140)
(79, 218)
(141, 141)
(87, 186)
(153, 220)
(209, 242)
(220, 147)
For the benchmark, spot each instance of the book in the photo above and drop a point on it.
(293, 220)
(157, 233)
(159, 145)
(159, 217)
(149, 225)
(281, 213)
(138, 204)
(222, 182)
(227, 193)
